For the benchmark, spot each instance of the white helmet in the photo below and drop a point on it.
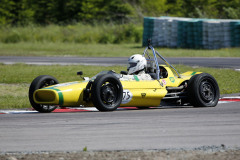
(136, 63)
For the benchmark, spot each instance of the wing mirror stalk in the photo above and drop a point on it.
(80, 73)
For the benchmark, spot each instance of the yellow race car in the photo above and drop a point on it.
(107, 92)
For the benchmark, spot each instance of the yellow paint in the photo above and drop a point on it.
(144, 93)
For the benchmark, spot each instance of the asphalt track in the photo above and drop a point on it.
(233, 63)
(163, 128)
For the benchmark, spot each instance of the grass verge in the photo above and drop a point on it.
(78, 33)
(103, 50)
(14, 96)
(15, 79)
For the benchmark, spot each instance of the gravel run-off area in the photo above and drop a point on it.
(206, 153)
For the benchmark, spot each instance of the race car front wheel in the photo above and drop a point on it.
(41, 82)
(203, 90)
(106, 92)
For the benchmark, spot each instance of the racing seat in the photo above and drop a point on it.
(151, 70)
(153, 75)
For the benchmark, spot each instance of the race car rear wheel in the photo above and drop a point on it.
(203, 90)
(106, 92)
(41, 82)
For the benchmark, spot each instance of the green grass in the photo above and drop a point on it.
(103, 50)
(104, 40)
(14, 96)
(15, 79)
(78, 33)
(21, 73)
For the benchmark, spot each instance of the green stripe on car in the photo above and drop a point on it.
(60, 95)
(193, 73)
(136, 78)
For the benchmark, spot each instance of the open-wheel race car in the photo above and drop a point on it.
(107, 90)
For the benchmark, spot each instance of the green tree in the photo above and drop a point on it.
(105, 10)
(6, 15)
(15, 12)
(229, 9)
(174, 8)
(153, 8)
(45, 11)
(199, 8)
(65, 11)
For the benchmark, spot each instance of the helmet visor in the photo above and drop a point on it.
(130, 65)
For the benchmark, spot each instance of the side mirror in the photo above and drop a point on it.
(80, 73)
(124, 72)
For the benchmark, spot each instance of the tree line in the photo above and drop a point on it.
(23, 12)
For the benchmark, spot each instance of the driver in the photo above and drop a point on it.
(136, 68)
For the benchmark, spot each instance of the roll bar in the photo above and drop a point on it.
(155, 54)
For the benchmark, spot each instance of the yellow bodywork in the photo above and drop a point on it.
(135, 92)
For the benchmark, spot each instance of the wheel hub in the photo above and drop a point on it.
(108, 94)
(207, 91)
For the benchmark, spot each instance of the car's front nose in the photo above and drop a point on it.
(66, 94)
(46, 96)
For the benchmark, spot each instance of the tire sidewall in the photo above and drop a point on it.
(194, 90)
(96, 92)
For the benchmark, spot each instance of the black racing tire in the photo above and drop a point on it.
(106, 92)
(41, 82)
(203, 90)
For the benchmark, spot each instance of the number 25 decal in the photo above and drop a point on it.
(127, 96)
